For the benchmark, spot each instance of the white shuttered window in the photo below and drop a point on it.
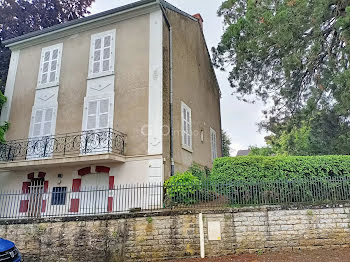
(186, 124)
(214, 152)
(43, 122)
(98, 114)
(50, 65)
(102, 52)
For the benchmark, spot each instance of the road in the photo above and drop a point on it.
(319, 255)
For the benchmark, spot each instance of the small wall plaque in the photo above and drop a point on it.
(214, 230)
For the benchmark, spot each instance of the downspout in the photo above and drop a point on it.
(172, 168)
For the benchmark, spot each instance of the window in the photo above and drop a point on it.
(59, 196)
(42, 122)
(98, 114)
(50, 65)
(186, 119)
(102, 54)
(214, 153)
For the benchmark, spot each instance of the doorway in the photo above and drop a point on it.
(36, 190)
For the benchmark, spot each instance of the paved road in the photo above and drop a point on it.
(319, 255)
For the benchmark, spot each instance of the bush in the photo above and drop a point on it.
(182, 189)
(253, 168)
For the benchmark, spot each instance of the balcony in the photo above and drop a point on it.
(95, 146)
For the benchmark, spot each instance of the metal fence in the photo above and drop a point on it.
(72, 144)
(59, 202)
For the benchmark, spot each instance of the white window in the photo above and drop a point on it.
(42, 123)
(98, 113)
(102, 52)
(50, 66)
(214, 152)
(186, 124)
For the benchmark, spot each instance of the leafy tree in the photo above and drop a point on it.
(261, 151)
(294, 56)
(226, 143)
(19, 17)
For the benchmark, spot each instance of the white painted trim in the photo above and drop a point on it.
(10, 86)
(184, 146)
(59, 62)
(112, 33)
(155, 100)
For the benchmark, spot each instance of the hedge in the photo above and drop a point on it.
(228, 169)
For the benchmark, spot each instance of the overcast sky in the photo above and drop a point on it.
(239, 119)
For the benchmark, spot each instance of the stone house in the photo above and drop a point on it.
(125, 96)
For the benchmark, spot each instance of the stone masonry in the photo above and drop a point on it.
(171, 235)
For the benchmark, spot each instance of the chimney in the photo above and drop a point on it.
(199, 18)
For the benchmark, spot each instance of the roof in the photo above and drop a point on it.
(98, 16)
(243, 152)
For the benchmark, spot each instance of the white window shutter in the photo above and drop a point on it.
(91, 119)
(186, 120)
(102, 54)
(43, 122)
(103, 113)
(50, 65)
(213, 144)
(37, 122)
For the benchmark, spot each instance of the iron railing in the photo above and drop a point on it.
(37, 202)
(72, 144)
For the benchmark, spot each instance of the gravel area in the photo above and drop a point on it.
(319, 255)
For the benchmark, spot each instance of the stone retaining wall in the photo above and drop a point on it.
(169, 235)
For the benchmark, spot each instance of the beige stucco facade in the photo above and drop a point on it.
(195, 84)
(131, 83)
(141, 90)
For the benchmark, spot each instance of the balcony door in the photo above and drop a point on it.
(96, 137)
(41, 141)
(94, 193)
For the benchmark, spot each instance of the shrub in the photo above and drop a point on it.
(182, 189)
(254, 168)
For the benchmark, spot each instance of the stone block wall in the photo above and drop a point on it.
(172, 235)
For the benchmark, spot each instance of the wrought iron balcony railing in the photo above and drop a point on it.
(73, 144)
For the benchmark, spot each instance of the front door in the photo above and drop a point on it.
(36, 190)
(94, 190)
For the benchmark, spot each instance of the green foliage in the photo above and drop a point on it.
(181, 188)
(226, 143)
(196, 170)
(261, 151)
(255, 168)
(294, 56)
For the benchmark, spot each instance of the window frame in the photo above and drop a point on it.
(214, 153)
(110, 112)
(102, 73)
(184, 144)
(53, 121)
(58, 66)
(59, 193)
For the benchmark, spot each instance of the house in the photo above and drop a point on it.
(127, 96)
(243, 152)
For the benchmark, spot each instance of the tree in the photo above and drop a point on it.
(19, 17)
(294, 56)
(261, 151)
(226, 143)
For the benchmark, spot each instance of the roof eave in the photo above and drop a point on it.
(79, 22)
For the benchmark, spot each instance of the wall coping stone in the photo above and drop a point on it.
(172, 212)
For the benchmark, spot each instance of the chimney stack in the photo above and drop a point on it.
(199, 18)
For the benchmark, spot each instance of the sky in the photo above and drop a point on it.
(239, 119)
